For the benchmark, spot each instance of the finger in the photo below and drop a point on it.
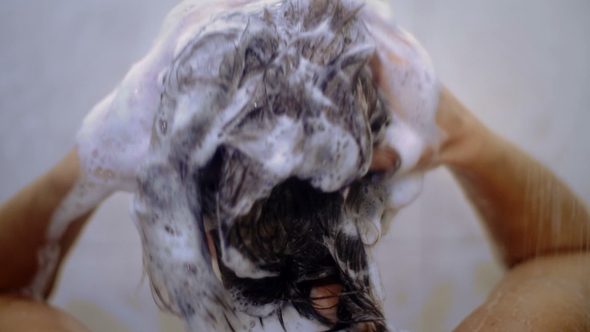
(324, 299)
(385, 159)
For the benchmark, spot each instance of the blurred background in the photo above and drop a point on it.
(522, 66)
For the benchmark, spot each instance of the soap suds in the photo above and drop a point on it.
(273, 103)
(278, 93)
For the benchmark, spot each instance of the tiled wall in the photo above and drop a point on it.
(522, 66)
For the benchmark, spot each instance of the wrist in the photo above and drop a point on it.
(25, 219)
(464, 137)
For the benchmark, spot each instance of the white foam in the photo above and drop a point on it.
(242, 266)
(274, 147)
(116, 134)
(417, 89)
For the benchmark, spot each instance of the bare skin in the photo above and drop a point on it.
(520, 202)
(539, 228)
(24, 220)
(23, 314)
(547, 285)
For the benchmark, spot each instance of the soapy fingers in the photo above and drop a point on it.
(406, 77)
(385, 159)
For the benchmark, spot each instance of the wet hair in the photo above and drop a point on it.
(273, 156)
(298, 232)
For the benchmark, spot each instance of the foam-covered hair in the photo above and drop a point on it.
(263, 138)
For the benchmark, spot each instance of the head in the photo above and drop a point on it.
(270, 114)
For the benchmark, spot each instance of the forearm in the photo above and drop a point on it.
(22, 314)
(543, 295)
(525, 207)
(25, 218)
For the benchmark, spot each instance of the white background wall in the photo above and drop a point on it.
(520, 65)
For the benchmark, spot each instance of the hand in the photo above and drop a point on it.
(541, 291)
(407, 80)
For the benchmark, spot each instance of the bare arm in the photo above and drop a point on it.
(527, 210)
(541, 228)
(24, 220)
(545, 294)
